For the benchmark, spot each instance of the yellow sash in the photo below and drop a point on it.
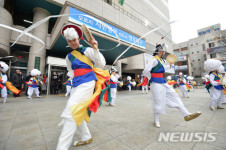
(157, 57)
(217, 75)
(82, 58)
(36, 81)
(80, 111)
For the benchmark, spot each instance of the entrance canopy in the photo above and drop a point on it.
(55, 61)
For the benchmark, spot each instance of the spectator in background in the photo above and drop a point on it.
(54, 83)
(40, 83)
(45, 81)
(17, 80)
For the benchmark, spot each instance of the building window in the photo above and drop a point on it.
(108, 1)
(211, 45)
(197, 51)
(191, 44)
(193, 68)
(192, 52)
(213, 55)
(203, 47)
(184, 63)
(193, 60)
(176, 50)
(196, 43)
(198, 59)
(184, 48)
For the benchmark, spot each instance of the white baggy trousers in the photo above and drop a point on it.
(145, 88)
(216, 96)
(113, 95)
(78, 94)
(164, 94)
(184, 90)
(68, 87)
(30, 91)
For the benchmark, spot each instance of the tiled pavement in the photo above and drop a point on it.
(32, 124)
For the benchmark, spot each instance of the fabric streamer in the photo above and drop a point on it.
(63, 15)
(28, 34)
(155, 29)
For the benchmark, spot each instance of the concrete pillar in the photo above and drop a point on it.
(5, 34)
(119, 65)
(41, 32)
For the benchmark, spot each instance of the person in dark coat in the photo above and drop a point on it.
(17, 81)
(54, 83)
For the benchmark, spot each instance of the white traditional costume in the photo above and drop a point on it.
(68, 84)
(216, 90)
(144, 87)
(32, 84)
(113, 82)
(223, 73)
(80, 65)
(162, 93)
(181, 81)
(129, 82)
(3, 79)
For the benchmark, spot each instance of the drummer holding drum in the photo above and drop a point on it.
(162, 93)
(113, 82)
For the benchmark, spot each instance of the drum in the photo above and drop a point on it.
(134, 84)
(120, 84)
(223, 80)
(171, 58)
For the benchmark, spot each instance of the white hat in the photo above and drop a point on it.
(129, 78)
(68, 74)
(189, 78)
(169, 78)
(180, 74)
(221, 69)
(113, 69)
(3, 66)
(35, 72)
(70, 34)
(211, 65)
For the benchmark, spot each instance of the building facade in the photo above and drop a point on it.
(130, 21)
(210, 43)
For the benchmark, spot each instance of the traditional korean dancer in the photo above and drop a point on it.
(68, 84)
(32, 84)
(3, 79)
(162, 93)
(113, 81)
(181, 82)
(129, 82)
(216, 90)
(144, 86)
(80, 64)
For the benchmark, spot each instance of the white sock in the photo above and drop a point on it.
(156, 117)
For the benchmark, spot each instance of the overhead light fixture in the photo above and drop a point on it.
(28, 21)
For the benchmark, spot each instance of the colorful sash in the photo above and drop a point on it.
(217, 79)
(82, 111)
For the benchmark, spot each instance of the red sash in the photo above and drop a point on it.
(82, 71)
(157, 75)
